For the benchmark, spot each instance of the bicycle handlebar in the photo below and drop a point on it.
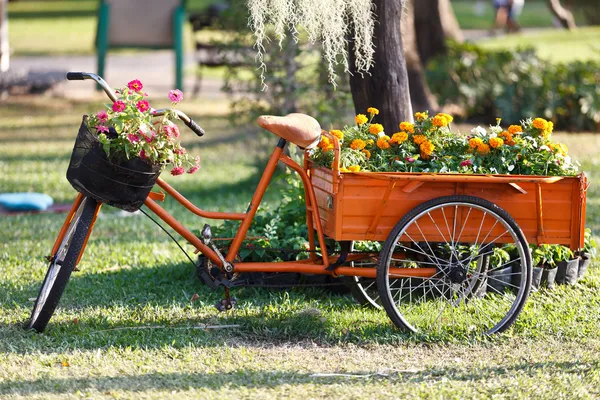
(80, 76)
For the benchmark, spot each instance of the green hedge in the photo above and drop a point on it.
(516, 85)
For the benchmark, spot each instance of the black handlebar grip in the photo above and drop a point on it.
(195, 127)
(75, 76)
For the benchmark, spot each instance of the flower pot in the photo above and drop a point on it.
(536, 279)
(500, 280)
(567, 272)
(585, 259)
(125, 185)
(549, 277)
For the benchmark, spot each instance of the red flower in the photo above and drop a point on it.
(143, 155)
(466, 163)
(172, 131)
(133, 138)
(143, 105)
(193, 169)
(177, 171)
(135, 85)
(119, 106)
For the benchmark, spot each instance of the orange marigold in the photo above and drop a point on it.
(372, 110)
(514, 129)
(361, 119)
(344, 169)
(407, 126)
(383, 142)
(439, 121)
(420, 116)
(496, 142)
(483, 148)
(338, 134)
(427, 148)
(325, 144)
(399, 137)
(418, 139)
(354, 168)
(475, 142)
(375, 128)
(540, 123)
(367, 153)
(449, 117)
(358, 144)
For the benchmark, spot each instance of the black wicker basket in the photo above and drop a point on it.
(125, 185)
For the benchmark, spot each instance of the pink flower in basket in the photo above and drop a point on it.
(133, 138)
(193, 169)
(102, 116)
(176, 96)
(143, 105)
(101, 129)
(135, 85)
(466, 163)
(177, 171)
(172, 131)
(119, 106)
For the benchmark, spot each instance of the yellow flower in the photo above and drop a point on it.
(475, 142)
(357, 144)
(439, 121)
(370, 142)
(343, 169)
(407, 126)
(399, 137)
(449, 117)
(508, 138)
(563, 149)
(483, 148)
(427, 148)
(354, 168)
(367, 153)
(372, 110)
(418, 139)
(375, 128)
(325, 144)
(513, 129)
(540, 123)
(420, 116)
(338, 134)
(548, 129)
(496, 142)
(383, 142)
(361, 119)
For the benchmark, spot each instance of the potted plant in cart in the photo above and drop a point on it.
(587, 253)
(567, 265)
(119, 152)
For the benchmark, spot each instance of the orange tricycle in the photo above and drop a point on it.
(454, 247)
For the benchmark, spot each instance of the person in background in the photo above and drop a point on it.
(507, 13)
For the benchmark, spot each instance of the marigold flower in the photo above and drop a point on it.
(399, 137)
(361, 119)
(354, 168)
(176, 96)
(449, 117)
(135, 85)
(372, 110)
(420, 116)
(427, 148)
(439, 121)
(483, 149)
(370, 142)
(367, 153)
(418, 139)
(563, 149)
(514, 129)
(177, 171)
(338, 134)
(142, 106)
(475, 142)
(540, 123)
(383, 142)
(344, 169)
(496, 142)
(325, 144)
(549, 129)
(357, 144)
(101, 129)
(407, 127)
(375, 128)
(119, 106)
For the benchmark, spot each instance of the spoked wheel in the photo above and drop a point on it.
(364, 290)
(455, 274)
(62, 264)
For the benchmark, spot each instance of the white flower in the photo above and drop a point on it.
(510, 168)
(478, 131)
(544, 147)
(381, 134)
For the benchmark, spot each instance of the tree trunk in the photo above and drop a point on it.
(564, 16)
(4, 60)
(386, 85)
(434, 22)
(449, 22)
(420, 96)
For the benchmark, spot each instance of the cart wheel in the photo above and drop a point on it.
(364, 290)
(470, 287)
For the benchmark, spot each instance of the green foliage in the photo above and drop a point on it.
(516, 85)
(548, 255)
(589, 243)
(283, 227)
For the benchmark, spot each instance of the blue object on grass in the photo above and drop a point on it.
(25, 201)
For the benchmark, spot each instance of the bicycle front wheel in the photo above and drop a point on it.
(62, 264)
(481, 261)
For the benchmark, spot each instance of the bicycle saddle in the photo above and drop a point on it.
(302, 130)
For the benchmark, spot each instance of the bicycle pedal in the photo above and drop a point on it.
(225, 305)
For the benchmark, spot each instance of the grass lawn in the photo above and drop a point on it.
(126, 327)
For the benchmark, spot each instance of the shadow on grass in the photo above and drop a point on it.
(251, 378)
